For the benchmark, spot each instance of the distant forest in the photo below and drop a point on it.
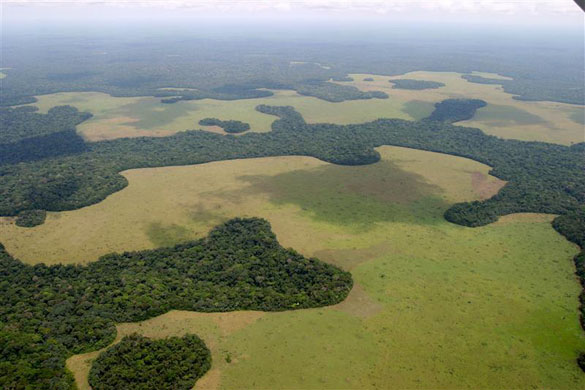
(238, 70)
(415, 84)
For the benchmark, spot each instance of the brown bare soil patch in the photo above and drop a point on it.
(358, 303)
(484, 186)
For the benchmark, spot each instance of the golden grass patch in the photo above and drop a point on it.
(162, 206)
(554, 125)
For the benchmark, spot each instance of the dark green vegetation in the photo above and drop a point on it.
(173, 363)
(455, 110)
(26, 135)
(31, 361)
(30, 218)
(415, 84)
(139, 65)
(230, 126)
(60, 310)
(524, 87)
(226, 92)
(337, 93)
(24, 122)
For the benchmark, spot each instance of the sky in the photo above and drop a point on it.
(523, 12)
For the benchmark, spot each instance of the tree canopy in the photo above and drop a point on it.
(51, 312)
(172, 363)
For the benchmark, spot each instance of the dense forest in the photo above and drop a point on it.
(232, 69)
(455, 110)
(229, 126)
(415, 84)
(173, 363)
(27, 135)
(51, 312)
(336, 92)
(30, 218)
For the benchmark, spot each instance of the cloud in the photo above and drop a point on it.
(491, 11)
(450, 6)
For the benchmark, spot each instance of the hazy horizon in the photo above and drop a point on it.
(562, 15)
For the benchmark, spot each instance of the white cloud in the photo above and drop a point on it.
(456, 10)
(452, 6)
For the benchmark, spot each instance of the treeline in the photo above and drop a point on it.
(455, 110)
(30, 218)
(336, 93)
(542, 177)
(415, 84)
(57, 311)
(229, 126)
(26, 135)
(172, 363)
(572, 226)
(525, 89)
(25, 122)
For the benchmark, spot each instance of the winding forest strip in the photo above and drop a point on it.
(49, 313)
(542, 177)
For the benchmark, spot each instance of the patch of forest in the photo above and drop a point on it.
(30, 218)
(26, 135)
(455, 110)
(415, 84)
(172, 363)
(336, 93)
(51, 312)
(229, 126)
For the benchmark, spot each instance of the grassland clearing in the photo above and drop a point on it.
(435, 304)
(163, 206)
(116, 117)
(504, 116)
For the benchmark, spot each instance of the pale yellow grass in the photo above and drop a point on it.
(195, 198)
(556, 128)
(116, 117)
(488, 75)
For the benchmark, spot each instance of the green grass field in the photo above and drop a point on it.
(435, 305)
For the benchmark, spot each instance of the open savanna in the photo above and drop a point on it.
(504, 116)
(435, 305)
(116, 117)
